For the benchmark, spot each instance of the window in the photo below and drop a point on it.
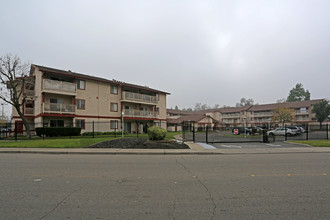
(114, 107)
(81, 84)
(56, 123)
(114, 89)
(113, 124)
(80, 103)
(80, 123)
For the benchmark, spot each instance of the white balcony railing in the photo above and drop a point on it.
(28, 111)
(137, 97)
(263, 114)
(231, 115)
(59, 108)
(301, 112)
(60, 86)
(139, 113)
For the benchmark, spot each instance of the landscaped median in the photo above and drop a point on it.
(61, 142)
(314, 143)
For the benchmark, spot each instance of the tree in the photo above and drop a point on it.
(283, 115)
(322, 111)
(245, 102)
(176, 107)
(298, 93)
(13, 80)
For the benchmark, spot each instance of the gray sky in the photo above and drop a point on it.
(213, 52)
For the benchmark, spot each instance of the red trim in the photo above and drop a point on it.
(84, 104)
(111, 105)
(74, 100)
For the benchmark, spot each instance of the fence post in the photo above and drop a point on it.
(137, 129)
(183, 134)
(207, 134)
(327, 131)
(285, 134)
(307, 127)
(194, 133)
(70, 125)
(6, 129)
(15, 130)
(115, 132)
(93, 129)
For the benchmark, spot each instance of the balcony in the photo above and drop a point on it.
(231, 115)
(300, 112)
(138, 98)
(29, 93)
(28, 111)
(263, 114)
(139, 113)
(60, 87)
(59, 108)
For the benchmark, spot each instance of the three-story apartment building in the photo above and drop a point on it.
(60, 98)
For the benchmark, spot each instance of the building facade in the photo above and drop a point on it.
(59, 98)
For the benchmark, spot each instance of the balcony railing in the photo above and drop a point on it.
(231, 115)
(301, 112)
(59, 86)
(139, 113)
(137, 97)
(59, 108)
(28, 111)
(263, 114)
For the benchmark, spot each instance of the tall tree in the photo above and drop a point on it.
(283, 115)
(245, 102)
(13, 81)
(298, 93)
(322, 111)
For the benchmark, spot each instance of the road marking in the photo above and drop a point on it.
(231, 146)
(274, 145)
(37, 180)
(291, 174)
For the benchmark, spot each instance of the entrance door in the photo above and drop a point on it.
(127, 127)
(19, 127)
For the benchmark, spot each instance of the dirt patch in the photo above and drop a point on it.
(140, 143)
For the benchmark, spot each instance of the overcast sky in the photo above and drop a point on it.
(213, 52)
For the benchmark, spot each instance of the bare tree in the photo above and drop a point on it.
(13, 81)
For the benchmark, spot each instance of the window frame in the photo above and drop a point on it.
(111, 104)
(78, 100)
(112, 86)
(78, 84)
(80, 124)
(116, 124)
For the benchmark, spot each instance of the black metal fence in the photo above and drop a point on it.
(223, 135)
(17, 131)
(208, 134)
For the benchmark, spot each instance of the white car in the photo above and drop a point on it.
(281, 131)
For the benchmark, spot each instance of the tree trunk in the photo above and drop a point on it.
(25, 122)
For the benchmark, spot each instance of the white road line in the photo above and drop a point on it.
(231, 146)
(274, 145)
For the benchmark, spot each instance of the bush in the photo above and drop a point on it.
(104, 133)
(156, 133)
(63, 131)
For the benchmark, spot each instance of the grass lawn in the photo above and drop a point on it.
(315, 143)
(65, 142)
(54, 143)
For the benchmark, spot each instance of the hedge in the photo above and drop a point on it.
(58, 131)
(103, 133)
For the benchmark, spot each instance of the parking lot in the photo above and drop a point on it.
(277, 144)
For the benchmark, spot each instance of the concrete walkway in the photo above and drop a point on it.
(195, 149)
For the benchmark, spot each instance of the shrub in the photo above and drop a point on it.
(63, 131)
(89, 133)
(156, 133)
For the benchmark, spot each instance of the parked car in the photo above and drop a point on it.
(303, 130)
(281, 132)
(242, 130)
(295, 129)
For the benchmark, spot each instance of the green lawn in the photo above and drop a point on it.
(315, 143)
(54, 143)
(65, 142)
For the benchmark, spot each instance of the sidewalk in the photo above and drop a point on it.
(195, 149)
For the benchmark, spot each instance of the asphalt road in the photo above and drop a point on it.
(277, 144)
(252, 186)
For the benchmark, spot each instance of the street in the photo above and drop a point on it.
(243, 186)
